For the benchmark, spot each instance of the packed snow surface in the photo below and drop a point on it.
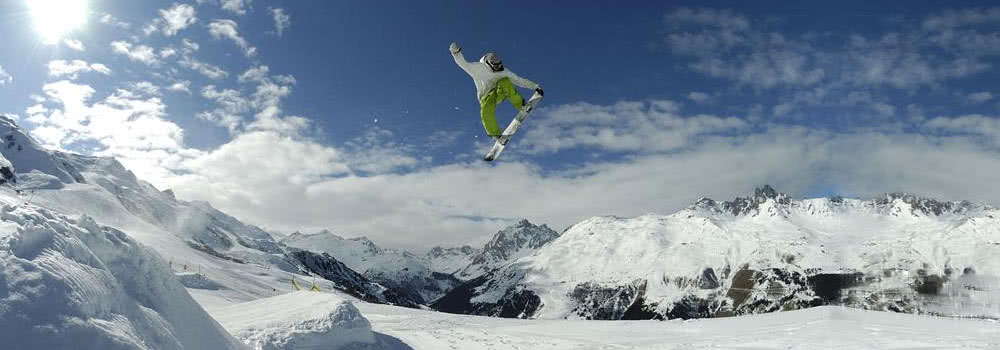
(299, 320)
(827, 327)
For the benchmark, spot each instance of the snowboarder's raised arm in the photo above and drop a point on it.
(525, 83)
(456, 53)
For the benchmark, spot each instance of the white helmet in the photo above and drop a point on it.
(491, 60)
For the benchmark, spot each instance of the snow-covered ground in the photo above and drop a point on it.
(827, 327)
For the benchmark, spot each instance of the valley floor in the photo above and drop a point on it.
(815, 328)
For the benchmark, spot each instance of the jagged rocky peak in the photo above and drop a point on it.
(523, 234)
(927, 206)
(744, 205)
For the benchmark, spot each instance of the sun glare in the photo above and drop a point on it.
(56, 18)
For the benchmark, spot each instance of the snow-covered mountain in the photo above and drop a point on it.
(350, 281)
(755, 254)
(406, 273)
(509, 244)
(451, 260)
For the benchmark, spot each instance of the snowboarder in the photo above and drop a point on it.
(494, 84)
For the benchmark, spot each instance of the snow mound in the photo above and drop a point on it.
(70, 283)
(299, 320)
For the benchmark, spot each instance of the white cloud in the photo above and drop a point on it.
(5, 78)
(58, 68)
(265, 102)
(107, 18)
(654, 126)
(726, 45)
(765, 68)
(208, 70)
(973, 124)
(238, 7)
(269, 92)
(220, 28)
(231, 104)
(144, 88)
(892, 60)
(281, 20)
(177, 17)
(151, 28)
(139, 53)
(74, 44)
(376, 152)
(100, 68)
(128, 124)
(953, 19)
(190, 46)
(181, 86)
(979, 97)
(698, 97)
(168, 52)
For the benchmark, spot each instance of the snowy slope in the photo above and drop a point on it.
(509, 244)
(755, 254)
(300, 320)
(70, 283)
(407, 273)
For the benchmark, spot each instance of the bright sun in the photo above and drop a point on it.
(56, 18)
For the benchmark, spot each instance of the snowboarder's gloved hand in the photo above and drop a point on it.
(454, 48)
(539, 91)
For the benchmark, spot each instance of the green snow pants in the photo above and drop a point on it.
(504, 90)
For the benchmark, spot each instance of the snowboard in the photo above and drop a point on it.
(501, 142)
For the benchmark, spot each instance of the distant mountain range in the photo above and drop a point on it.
(761, 253)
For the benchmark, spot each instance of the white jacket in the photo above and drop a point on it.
(486, 79)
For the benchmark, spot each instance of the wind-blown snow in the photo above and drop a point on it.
(70, 283)
(300, 320)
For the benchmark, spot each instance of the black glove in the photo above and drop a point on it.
(538, 90)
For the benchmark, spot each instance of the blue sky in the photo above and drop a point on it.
(351, 115)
